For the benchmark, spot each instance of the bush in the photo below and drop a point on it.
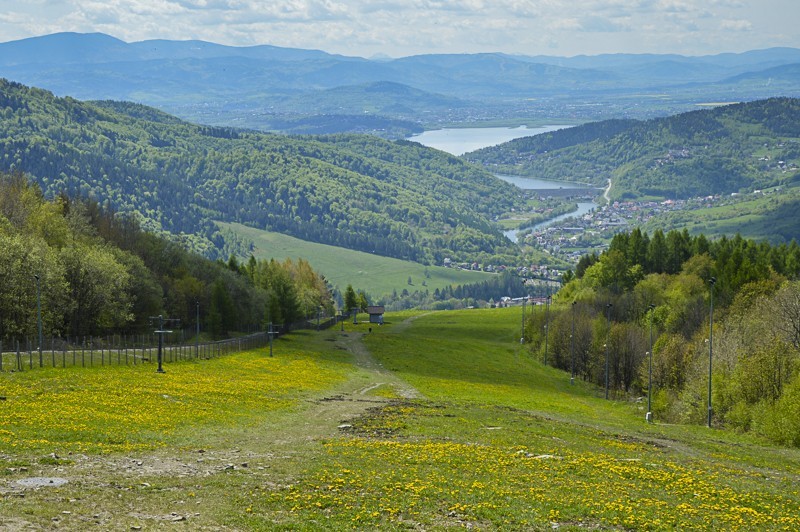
(781, 422)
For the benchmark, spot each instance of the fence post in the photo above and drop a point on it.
(19, 358)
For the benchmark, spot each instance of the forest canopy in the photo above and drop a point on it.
(398, 199)
(96, 273)
(663, 285)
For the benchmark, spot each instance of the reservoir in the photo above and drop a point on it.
(459, 141)
(462, 140)
(528, 183)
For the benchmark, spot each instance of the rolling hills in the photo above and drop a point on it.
(397, 199)
(724, 150)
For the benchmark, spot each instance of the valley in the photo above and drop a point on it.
(581, 274)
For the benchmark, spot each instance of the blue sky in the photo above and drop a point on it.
(408, 27)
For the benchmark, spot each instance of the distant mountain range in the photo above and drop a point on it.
(261, 86)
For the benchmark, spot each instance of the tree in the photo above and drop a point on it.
(351, 301)
(99, 286)
(221, 312)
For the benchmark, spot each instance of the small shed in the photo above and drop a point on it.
(376, 314)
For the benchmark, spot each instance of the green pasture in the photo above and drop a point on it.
(325, 436)
(374, 274)
(772, 217)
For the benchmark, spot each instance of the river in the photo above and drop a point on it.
(528, 183)
(462, 140)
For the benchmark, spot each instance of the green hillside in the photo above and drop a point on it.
(396, 199)
(437, 421)
(374, 274)
(723, 150)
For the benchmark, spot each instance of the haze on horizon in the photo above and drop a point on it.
(410, 27)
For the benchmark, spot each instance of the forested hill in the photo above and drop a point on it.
(722, 150)
(398, 199)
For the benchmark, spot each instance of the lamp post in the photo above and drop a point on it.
(522, 337)
(546, 324)
(572, 348)
(39, 314)
(649, 416)
(608, 326)
(711, 282)
(197, 331)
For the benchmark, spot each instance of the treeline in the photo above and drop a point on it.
(664, 284)
(396, 199)
(94, 272)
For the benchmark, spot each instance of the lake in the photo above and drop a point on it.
(459, 141)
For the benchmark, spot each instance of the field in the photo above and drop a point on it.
(772, 217)
(372, 273)
(433, 421)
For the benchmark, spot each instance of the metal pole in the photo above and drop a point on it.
(39, 314)
(712, 282)
(649, 416)
(546, 323)
(522, 338)
(608, 337)
(197, 333)
(271, 334)
(572, 348)
(160, 342)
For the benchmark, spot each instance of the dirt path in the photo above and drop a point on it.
(271, 453)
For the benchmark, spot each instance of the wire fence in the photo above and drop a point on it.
(125, 350)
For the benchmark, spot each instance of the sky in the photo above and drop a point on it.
(399, 28)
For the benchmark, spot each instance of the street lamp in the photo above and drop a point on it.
(711, 282)
(608, 326)
(197, 332)
(39, 314)
(572, 347)
(649, 416)
(546, 323)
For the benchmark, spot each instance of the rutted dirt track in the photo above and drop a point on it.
(267, 453)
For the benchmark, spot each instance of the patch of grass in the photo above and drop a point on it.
(449, 465)
(374, 274)
(133, 408)
(504, 443)
(498, 442)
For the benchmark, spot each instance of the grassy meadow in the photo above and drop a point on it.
(374, 274)
(433, 421)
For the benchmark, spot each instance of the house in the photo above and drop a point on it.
(376, 314)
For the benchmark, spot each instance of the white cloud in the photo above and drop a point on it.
(736, 25)
(404, 27)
